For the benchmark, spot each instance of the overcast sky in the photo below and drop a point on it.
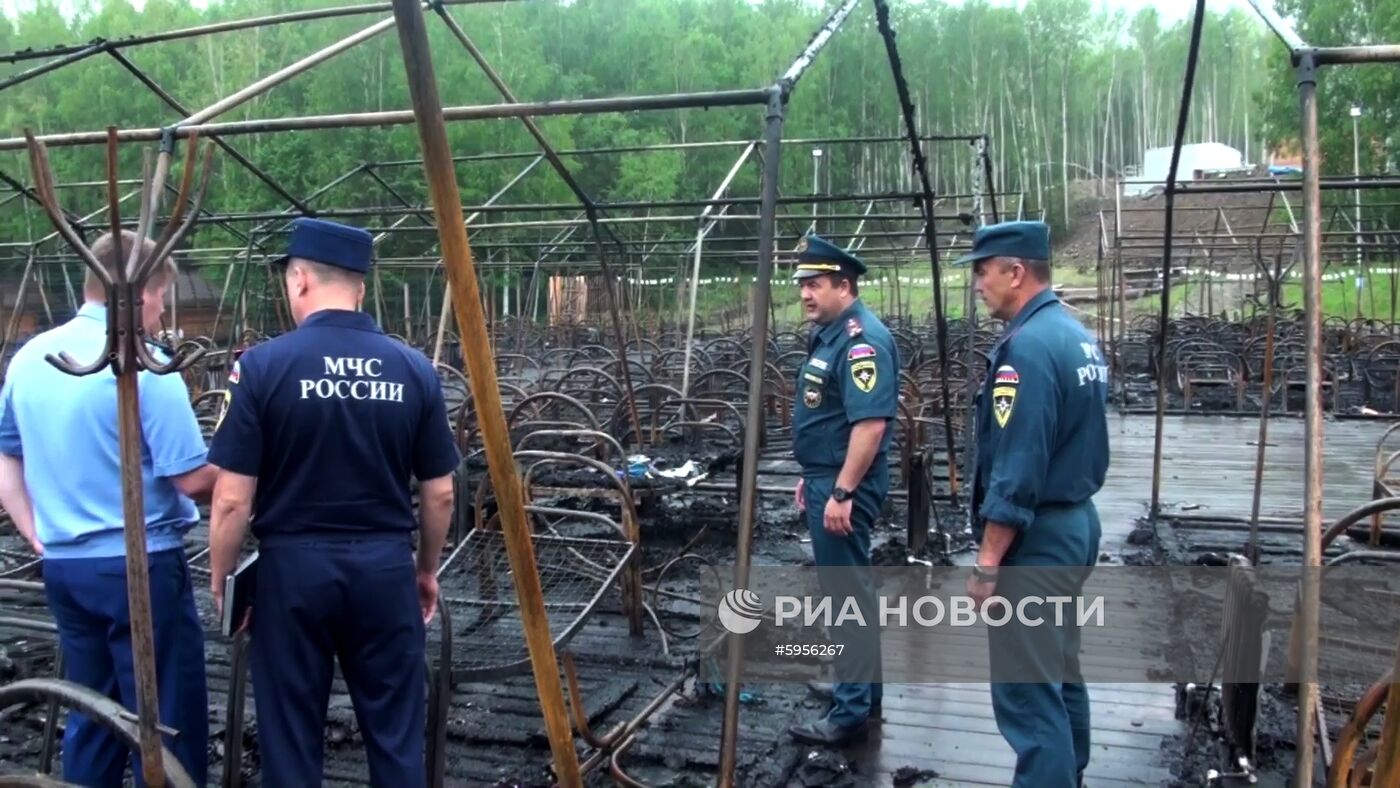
(1171, 10)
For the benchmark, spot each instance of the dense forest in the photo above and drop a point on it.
(1071, 96)
(1064, 93)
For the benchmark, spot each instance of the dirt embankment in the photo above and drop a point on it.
(1144, 221)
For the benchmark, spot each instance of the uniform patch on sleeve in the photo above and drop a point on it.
(818, 363)
(817, 379)
(860, 351)
(1004, 393)
(1003, 398)
(812, 397)
(853, 327)
(863, 373)
(223, 408)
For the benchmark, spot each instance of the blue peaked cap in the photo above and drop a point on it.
(331, 243)
(817, 256)
(1027, 240)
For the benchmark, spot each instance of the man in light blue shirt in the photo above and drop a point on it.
(60, 479)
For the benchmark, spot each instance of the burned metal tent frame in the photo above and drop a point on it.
(1264, 252)
(604, 244)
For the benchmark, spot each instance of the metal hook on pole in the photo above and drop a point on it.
(127, 354)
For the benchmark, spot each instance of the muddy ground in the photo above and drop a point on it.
(495, 734)
(1181, 541)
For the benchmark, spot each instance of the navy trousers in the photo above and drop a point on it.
(1044, 712)
(352, 600)
(843, 570)
(88, 597)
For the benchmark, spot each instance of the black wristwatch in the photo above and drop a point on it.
(840, 494)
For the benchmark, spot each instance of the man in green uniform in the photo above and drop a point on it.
(1042, 453)
(847, 396)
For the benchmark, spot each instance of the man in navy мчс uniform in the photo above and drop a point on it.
(1042, 453)
(847, 396)
(323, 430)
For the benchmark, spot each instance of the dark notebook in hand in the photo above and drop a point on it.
(238, 594)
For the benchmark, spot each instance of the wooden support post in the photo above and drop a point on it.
(1309, 608)
(138, 576)
(481, 369)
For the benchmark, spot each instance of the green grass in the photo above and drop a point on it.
(1339, 298)
(913, 299)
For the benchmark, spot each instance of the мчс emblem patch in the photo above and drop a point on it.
(1003, 398)
(812, 397)
(863, 373)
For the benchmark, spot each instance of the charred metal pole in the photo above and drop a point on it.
(989, 185)
(372, 169)
(283, 74)
(748, 484)
(471, 322)
(1312, 421)
(13, 326)
(224, 27)
(882, 16)
(687, 146)
(53, 65)
(621, 339)
(1163, 319)
(248, 257)
(1331, 184)
(447, 293)
(505, 91)
(78, 221)
(418, 210)
(233, 152)
(777, 96)
(1275, 282)
(695, 271)
(1276, 23)
(714, 98)
(606, 222)
(1374, 53)
(34, 198)
(589, 206)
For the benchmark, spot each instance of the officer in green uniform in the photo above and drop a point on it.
(1042, 453)
(847, 395)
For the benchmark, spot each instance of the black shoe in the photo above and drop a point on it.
(826, 691)
(826, 733)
